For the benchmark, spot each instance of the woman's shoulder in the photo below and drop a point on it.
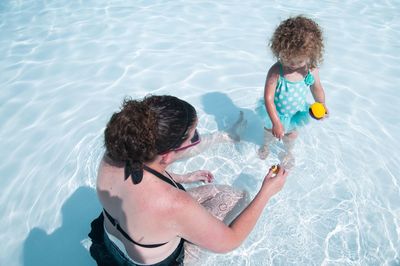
(109, 168)
(166, 205)
(161, 195)
(172, 201)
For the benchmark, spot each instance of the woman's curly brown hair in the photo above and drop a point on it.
(296, 37)
(143, 129)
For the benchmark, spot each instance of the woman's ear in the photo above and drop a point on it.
(167, 158)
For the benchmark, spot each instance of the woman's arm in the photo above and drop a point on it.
(207, 140)
(195, 224)
(196, 176)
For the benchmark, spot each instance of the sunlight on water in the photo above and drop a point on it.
(66, 66)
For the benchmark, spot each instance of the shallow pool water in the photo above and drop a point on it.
(67, 65)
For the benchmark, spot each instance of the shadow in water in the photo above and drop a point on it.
(63, 246)
(225, 113)
(246, 182)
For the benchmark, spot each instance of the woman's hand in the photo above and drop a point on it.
(272, 183)
(200, 175)
(278, 130)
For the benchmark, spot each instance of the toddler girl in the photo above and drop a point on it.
(297, 44)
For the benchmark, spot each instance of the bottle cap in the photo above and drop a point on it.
(275, 169)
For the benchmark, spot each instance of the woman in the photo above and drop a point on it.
(147, 214)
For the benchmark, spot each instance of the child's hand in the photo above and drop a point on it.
(200, 175)
(326, 112)
(278, 130)
(326, 115)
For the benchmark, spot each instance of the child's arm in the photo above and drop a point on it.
(269, 94)
(317, 90)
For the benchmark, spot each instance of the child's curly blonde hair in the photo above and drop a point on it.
(296, 37)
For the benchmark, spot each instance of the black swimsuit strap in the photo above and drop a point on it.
(163, 177)
(118, 227)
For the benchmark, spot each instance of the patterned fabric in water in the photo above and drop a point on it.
(222, 201)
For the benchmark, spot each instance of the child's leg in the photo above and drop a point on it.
(237, 128)
(288, 160)
(207, 140)
(263, 151)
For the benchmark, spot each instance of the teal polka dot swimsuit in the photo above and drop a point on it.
(290, 102)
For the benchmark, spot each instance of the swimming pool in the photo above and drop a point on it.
(66, 66)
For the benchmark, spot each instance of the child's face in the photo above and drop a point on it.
(295, 62)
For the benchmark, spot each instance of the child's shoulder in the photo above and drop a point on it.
(274, 70)
(314, 71)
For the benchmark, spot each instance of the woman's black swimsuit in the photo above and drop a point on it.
(105, 252)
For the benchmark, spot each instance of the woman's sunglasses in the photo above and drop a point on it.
(193, 141)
